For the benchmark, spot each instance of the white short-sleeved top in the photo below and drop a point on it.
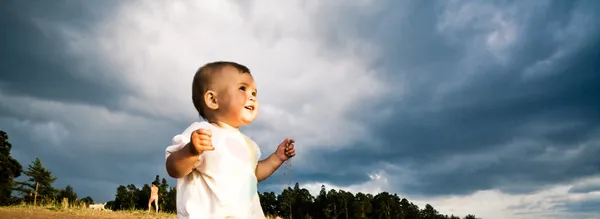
(223, 184)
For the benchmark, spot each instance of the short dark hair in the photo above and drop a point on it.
(203, 77)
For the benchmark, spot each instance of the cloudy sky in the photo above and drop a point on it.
(483, 107)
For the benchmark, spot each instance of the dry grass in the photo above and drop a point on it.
(55, 212)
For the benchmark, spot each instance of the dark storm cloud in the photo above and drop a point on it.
(33, 57)
(35, 63)
(585, 188)
(494, 110)
(93, 162)
(335, 172)
(95, 168)
(580, 206)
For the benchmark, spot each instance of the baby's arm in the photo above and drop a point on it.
(181, 162)
(267, 167)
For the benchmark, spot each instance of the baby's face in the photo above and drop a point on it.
(238, 105)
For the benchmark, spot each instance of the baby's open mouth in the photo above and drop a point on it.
(249, 108)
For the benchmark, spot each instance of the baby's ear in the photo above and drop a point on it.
(210, 98)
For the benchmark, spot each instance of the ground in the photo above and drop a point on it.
(30, 212)
(19, 212)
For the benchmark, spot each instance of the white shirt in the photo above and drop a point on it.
(223, 184)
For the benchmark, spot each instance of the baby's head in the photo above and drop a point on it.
(224, 92)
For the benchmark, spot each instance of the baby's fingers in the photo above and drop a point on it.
(203, 132)
(206, 148)
(290, 151)
(204, 142)
(204, 137)
(204, 145)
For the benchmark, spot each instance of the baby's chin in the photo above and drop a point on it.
(248, 119)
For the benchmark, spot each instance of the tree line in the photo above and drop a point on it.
(38, 185)
(291, 203)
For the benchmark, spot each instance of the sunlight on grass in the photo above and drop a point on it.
(60, 212)
(47, 211)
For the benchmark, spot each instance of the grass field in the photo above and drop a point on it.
(53, 212)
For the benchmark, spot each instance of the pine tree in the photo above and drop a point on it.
(163, 188)
(69, 194)
(87, 200)
(41, 176)
(144, 197)
(9, 170)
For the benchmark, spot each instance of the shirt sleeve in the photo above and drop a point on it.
(179, 141)
(258, 152)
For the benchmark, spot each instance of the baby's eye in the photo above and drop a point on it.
(254, 93)
(243, 88)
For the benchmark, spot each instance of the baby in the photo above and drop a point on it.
(216, 166)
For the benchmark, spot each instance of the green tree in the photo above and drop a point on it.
(87, 200)
(68, 193)
(332, 205)
(268, 201)
(408, 209)
(171, 200)
(382, 206)
(286, 202)
(126, 198)
(362, 206)
(41, 176)
(143, 196)
(163, 188)
(112, 205)
(429, 212)
(346, 200)
(9, 170)
(130, 197)
(319, 206)
(303, 200)
(470, 216)
(396, 208)
(298, 203)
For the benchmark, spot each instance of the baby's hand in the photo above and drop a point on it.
(200, 141)
(286, 150)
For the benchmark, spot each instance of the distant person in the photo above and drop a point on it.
(153, 197)
(216, 166)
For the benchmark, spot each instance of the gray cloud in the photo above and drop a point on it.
(37, 65)
(497, 126)
(95, 167)
(580, 206)
(585, 187)
(34, 52)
